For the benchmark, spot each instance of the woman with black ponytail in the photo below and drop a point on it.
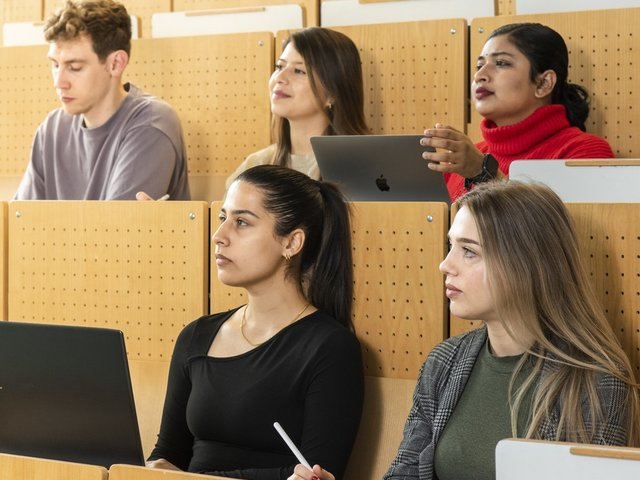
(530, 110)
(289, 355)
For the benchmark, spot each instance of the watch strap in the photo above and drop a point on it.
(489, 172)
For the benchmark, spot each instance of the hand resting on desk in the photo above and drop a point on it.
(161, 463)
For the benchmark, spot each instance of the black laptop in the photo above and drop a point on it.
(65, 394)
(379, 168)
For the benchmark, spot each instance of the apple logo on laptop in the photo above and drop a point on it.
(382, 184)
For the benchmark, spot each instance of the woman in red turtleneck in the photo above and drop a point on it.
(529, 110)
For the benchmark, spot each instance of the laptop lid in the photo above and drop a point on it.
(65, 394)
(379, 168)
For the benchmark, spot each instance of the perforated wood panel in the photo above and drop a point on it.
(137, 267)
(3, 260)
(26, 96)
(223, 297)
(506, 7)
(610, 242)
(311, 8)
(219, 87)
(399, 308)
(413, 76)
(609, 235)
(143, 9)
(603, 57)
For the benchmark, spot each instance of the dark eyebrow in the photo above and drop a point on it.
(294, 63)
(496, 54)
(73, 60)
(240, 212)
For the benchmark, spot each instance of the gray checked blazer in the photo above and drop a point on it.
(440, 384)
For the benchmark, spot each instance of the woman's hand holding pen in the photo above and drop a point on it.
(317, 473)
(303, 469)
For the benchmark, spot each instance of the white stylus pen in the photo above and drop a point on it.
(291, 445)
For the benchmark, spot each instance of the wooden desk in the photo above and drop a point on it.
(130, 472)
(15, 467)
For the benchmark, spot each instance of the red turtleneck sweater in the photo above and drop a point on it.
(545, 134)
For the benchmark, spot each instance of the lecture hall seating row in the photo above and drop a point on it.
(313, 10)
(37, 10)
(415, 74)
(515, 458)
(144, 268)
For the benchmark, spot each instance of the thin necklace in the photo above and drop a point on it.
(244, 312)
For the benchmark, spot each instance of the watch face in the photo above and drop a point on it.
(490, 165)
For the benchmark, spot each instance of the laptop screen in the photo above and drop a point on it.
(65, 394)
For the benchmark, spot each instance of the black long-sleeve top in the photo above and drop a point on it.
(219, 412)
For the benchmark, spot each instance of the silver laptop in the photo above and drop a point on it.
(379, 168)
(65, 394)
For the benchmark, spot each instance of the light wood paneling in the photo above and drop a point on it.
(505, 7)
(26, 96)
(609, 236)
(149, 382)
(219, 87)
(15, 467)
(603, 57)
(4, 281)
(399, 307)
(387, 402)
(139, 267)
(413, 76)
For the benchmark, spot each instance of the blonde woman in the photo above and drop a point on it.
(546, 364)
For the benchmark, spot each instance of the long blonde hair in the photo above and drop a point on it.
(537, 276)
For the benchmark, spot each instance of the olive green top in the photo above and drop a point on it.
(466, 448)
